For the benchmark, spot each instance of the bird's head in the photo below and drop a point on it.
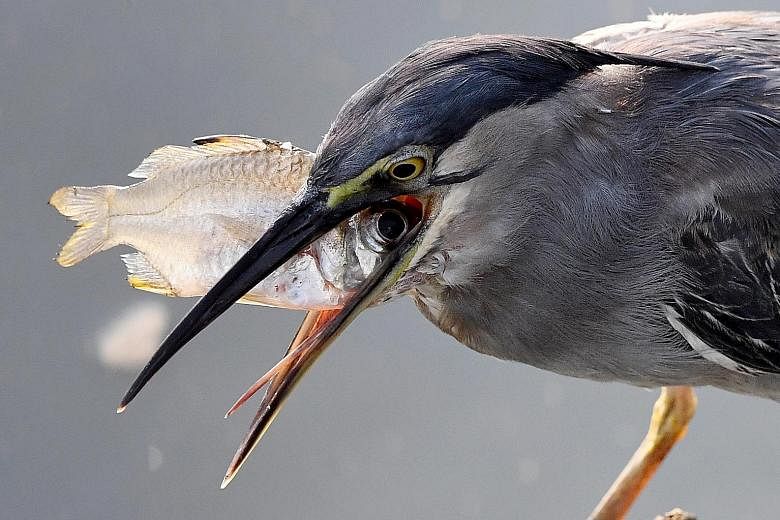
(388, 142)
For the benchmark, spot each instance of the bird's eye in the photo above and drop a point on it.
(407, 169)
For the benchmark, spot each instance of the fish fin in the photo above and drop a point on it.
(144, 276)
(163, 158)
(251, 299)
(227, 144)
(89, 208)
(171, 155)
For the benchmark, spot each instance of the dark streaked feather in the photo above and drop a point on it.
(733, 307)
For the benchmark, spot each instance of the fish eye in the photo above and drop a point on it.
(391, 225)
(407, 169)
(384, 228)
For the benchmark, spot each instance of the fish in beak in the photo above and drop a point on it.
(294, 230)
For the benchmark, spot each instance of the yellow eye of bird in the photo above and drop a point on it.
(407, 169)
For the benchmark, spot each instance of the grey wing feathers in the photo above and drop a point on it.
(728, 232)
(730, 313)
(612, 35)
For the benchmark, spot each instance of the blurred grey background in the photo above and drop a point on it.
(397, 420)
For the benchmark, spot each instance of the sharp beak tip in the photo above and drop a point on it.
(235, 406)
(124, 403)
(232, 471)
(225, 481)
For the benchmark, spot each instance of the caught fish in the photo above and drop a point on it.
(199, 209)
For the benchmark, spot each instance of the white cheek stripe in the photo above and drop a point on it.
(707, 352)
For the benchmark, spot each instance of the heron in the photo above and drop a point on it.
(605, 208)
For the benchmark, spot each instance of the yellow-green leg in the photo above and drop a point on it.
(672, 412)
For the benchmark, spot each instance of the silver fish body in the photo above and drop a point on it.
(200, 208)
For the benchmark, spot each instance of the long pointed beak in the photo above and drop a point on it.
(295, 229)
(318, 331)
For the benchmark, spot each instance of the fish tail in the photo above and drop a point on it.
(88, 207)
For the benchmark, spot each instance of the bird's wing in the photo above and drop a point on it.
(727, 226)
(613, 35)
(730, 310)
